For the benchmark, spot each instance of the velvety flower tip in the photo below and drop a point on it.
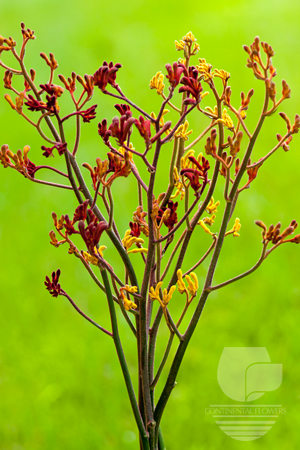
(135, 229)
(124, 109)
(105, 75)
(60, 147)
(52, 89)
(120, 127)
(53, 286)
(89, 114)
(144, 127)
(92, 233)
(174, 73)
(191, 85)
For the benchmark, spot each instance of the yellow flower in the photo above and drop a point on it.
(129, 240)
(227, 120)
(205, 228)
(157, 83)
(212, 207)
(204, 69)
(138, 250)
(168, 295)
(213, 113)
(130, 289)
(154, 293)
(185, 162)
(122, 150)
(221, 74)
(193, 284)
(209, 220)
(100, 250)
(180, 283)
(90, 258)
(196, 48)
(188, 39)
(128, 304)
(179, 45)
(178, 185)
(182, 131)
(236, 228)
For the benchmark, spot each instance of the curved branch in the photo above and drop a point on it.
(239, 277)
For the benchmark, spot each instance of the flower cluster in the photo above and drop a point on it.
(274, 234)
(161, 228)
(53, 285)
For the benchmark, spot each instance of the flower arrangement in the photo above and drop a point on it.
(166, 217)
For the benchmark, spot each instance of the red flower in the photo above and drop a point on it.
(60, 147)
(52, 89)
(81, 212)
(192, 87)
(35, 105)
(124, 110)
(92, 233)
(194, 176)
(31, 168)
(89, 114)
(103, 131)
(51, 103)
(170, 220)
(106, 74)
(119, 165)
(174, 74)
(120, 128)
(197, 176)
(135, 229)
(203, 167)
(69, 226)
(53, 286)
(144, 128)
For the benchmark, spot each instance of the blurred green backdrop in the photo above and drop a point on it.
(60, 383)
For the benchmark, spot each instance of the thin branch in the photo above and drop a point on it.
(125, 99)
(119, 300)
(202, 259)
(200, 136)
(173, 254)
(238, 115)
(171, 104)
(239, 277)
(122, 359)
(163, 361)
(48, 183)
(262, 160)
(54, 170)
(111, 209)
(157, 241)
(15, 71)
(85, 316)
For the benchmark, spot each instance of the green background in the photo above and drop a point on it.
(60, 383)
